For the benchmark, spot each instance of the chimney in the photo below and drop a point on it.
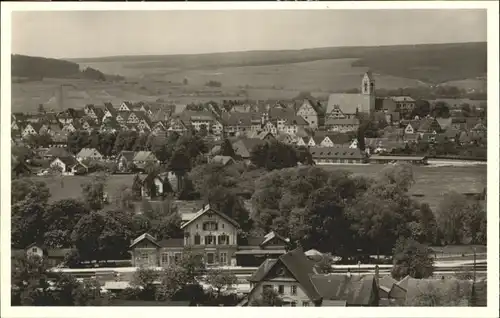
(377, 275)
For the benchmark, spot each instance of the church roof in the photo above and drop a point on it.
(348, 103)
(370, 75)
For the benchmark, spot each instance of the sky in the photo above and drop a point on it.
(79, 34)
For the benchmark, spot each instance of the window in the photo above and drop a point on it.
(293, 290)
(210, 258)
(209, 240)
(293, 304)
(210, 226)
(33, 249)
(223, 239)
(223, 258)
(144, 256)
(197, 239)
(305, 304)
(281, 289)
(164, 258)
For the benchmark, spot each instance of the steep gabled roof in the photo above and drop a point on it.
(297, 264)
(244, 146)
(87, 152)
(270, 236)
(444, 123)
(224, 160)
(403, 283)
(145, 236)
(144, 156)
(347, 103)
(68, 160)
(207, 209)
(426, 124)
(354, 290)
(387, 281)
(128, 155)
(301, 268)
(263, 269)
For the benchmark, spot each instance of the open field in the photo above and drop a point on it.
(431, 63)
(67, 187)
(431, 183)
(471, 83)
(322, 75)
(255, 74)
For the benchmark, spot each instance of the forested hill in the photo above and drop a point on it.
(35, 68)
(430, 63)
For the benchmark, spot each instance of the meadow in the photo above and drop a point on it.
(431, 63)
(247, 82)
(431, 183)
(70, 187)
(327, 75)
(257, 75)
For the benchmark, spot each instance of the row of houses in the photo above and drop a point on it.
(337, 116)
(299, 283)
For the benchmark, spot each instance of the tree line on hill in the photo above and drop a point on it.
(38, 68)
(428, 63)
(434, 63)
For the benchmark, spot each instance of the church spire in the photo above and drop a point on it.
(368, 84)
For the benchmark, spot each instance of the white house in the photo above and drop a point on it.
(89, 154)
(68, 165)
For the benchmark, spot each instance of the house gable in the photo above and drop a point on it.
(207, 210)
(144, 241)
(311, 142)
(124, 107)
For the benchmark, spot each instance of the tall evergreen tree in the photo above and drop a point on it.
(226, 149)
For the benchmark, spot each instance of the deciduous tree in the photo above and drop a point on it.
(220, 279)
(60, 218)
(93, 192)
(274, 155)
(451, 214)
(413, 259)
(269, 298)
(99, 236)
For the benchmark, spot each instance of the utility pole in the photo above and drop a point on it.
(474, 267)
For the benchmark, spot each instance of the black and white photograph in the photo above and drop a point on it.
(250, 158)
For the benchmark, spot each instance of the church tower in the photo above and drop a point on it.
(368, 84)
(368, 91)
